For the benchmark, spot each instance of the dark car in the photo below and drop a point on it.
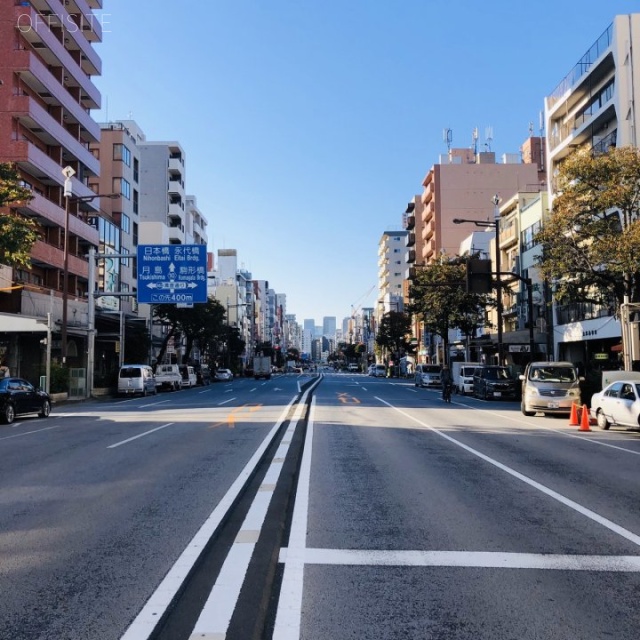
(492, 381)
(203, 374)
(18, 397)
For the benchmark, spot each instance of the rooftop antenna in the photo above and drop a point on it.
(488, 136)
(531, 129)
(541, 124)
(474, 138)
(447, 135)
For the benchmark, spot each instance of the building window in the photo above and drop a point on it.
(121, 186)
(125, 223)
(135, 201)
(136, 170)
(121, 152)
(134, 236)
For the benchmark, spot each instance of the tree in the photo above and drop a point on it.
(17, 233)
(440, 299)
(593, 232)
(393, 330)
(203, 323)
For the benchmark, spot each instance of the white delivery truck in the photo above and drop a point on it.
(262, 367)
(462, 376)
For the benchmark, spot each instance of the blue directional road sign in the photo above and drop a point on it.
(172, 273)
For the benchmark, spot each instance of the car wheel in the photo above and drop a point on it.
(603, 423)
(8, 414)
(45, 410)
(525, 412)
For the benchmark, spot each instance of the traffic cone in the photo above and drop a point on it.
(584, 421)
(573, 417)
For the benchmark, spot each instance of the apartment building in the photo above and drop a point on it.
(593, 106)
(47, 67)
(392, 259)
(463, 186)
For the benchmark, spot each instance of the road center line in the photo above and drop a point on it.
(140, 435)
(287, 624)
(226, 401)
(216, 614)
(145, 624)
(592, 515)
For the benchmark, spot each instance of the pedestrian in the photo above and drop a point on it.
(447, 382)
(4, 369)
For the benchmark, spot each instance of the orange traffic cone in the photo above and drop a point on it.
(573, 417)
(584, 420)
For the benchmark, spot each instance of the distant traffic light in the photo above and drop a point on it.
(478, 276)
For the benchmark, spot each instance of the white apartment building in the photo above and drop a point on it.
(593, 106)
(392, 258)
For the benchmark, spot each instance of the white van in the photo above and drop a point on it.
(136, 379)
(550, 388)
(189, 377)
(462, 376)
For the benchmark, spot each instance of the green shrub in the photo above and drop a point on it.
(59, 378)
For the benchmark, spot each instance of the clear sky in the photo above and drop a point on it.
(308, 125)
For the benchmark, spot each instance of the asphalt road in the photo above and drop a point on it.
(393, 516)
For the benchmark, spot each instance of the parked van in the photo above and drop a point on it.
(550, 387)
(462, 376)
(188, 373)
(427, 375)
(136, 379)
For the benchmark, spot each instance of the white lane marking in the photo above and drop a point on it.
(252, 390)
(546, 428)
(215, 616)
(226, 401)
(228, 390)
(205, 391)
(140, 435)
(592, 515)
(146, 621)
(26, 433)
(287, 624)
(467, 559)
(154, 404)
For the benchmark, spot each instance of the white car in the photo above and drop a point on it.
(617, 404)
(223, 375)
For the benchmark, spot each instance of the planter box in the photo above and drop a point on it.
(59, 397)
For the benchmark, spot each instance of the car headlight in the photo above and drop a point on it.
(574, 392)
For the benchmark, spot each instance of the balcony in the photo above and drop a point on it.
(176, 234)
(411, 257)
(91, 25)
(41, 81)
(176, 165)
(42, 125)
(411, 239)
(410, 222)
(53, 51)
(176, 212)
(74, 37)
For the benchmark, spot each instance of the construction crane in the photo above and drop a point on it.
(355, 307)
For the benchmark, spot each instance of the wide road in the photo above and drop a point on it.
(372, 510)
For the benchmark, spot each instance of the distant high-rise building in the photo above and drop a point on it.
(308, 334)
(329, 327)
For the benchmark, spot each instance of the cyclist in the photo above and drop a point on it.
(447, 383)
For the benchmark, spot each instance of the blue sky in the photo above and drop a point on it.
(309, 125)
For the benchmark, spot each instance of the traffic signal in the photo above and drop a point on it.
(478, 276)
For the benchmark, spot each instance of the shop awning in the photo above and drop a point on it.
(14, 323)
(616, 347)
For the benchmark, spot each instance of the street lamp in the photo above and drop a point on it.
(68, 173)
(495, 223)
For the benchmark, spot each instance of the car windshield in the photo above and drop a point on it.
(498, 374)
(553, 374)
(431, 369)
(131, 372)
